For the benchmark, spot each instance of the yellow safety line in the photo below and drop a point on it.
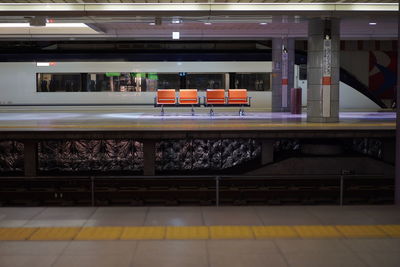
(199, 232)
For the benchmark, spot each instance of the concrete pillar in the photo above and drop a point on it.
(149, 157)
(267, 151)
(280, 69)
(323, 70)
(30, 158)
(397, 180)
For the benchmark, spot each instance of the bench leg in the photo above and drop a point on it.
(192, 111)
(211, 112)
(162, 110)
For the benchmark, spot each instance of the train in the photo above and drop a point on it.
(135, 83)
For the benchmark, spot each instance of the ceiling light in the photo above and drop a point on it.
(207, 23)
(152, 23)
(45, 64)
(175, 35)
(49, 25)
(176, 21)
(263, 23)
(372, 23)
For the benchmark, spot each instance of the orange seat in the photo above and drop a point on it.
(238, 97)
(188, 97)
(215, 97)
(166, 97)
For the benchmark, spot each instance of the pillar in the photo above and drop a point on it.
(323, 70)
(30, 158)
(149, 157)
(283, 56)
(267, 151)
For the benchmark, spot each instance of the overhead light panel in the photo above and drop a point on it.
(176, 20)
(175, 35)
(263, 23)
(49, 25)
(207, 23)
(152, 23)
(372, 23)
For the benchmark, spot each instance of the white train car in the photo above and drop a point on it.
(28, 83)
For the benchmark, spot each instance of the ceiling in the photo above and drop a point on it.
(204, 26)
(198, 1)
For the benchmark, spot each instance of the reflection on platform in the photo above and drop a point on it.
(115, 120)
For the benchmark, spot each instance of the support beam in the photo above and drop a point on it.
(30, 158)
(149, 155)
(283, 55)
(323, 70)
(267, 151)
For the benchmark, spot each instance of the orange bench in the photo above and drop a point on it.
(214, 97)
(165, 97)
(236, 97)
(188, 97)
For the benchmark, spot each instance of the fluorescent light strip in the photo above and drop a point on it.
(48, 25)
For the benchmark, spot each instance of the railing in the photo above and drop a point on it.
(340, 178)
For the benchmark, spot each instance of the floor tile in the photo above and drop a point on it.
(284, 215)
(118, 216)
(27, 260)
(381, 258)
(310, 245)
(42, 248)
(246, 260)
(373, 244)
(17, 217)
(171, 254)
(92, 248)
(231, 216)
(93, 261)
(326, 259)
(244, 253)
(241, 246)
(383, 214)
(53, 217)
(348, 215)
(174, 216)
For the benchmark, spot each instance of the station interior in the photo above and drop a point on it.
(199, 133)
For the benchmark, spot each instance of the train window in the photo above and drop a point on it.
(252, 81)
(148, 82)
(204, 81)
(59, 82)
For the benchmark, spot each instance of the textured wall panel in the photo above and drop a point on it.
(11, 156)
(91, 155)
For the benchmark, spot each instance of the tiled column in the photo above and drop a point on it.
(282, 72)
(323, 70)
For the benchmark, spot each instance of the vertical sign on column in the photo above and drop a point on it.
(326, 77)
(284, 77)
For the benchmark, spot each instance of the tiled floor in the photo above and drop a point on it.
(381, 252)
(196, 216)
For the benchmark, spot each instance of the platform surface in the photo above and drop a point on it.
(117, 119)
(201, 236)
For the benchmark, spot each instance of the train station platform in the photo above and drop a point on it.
(201, 236)
(117, 118)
